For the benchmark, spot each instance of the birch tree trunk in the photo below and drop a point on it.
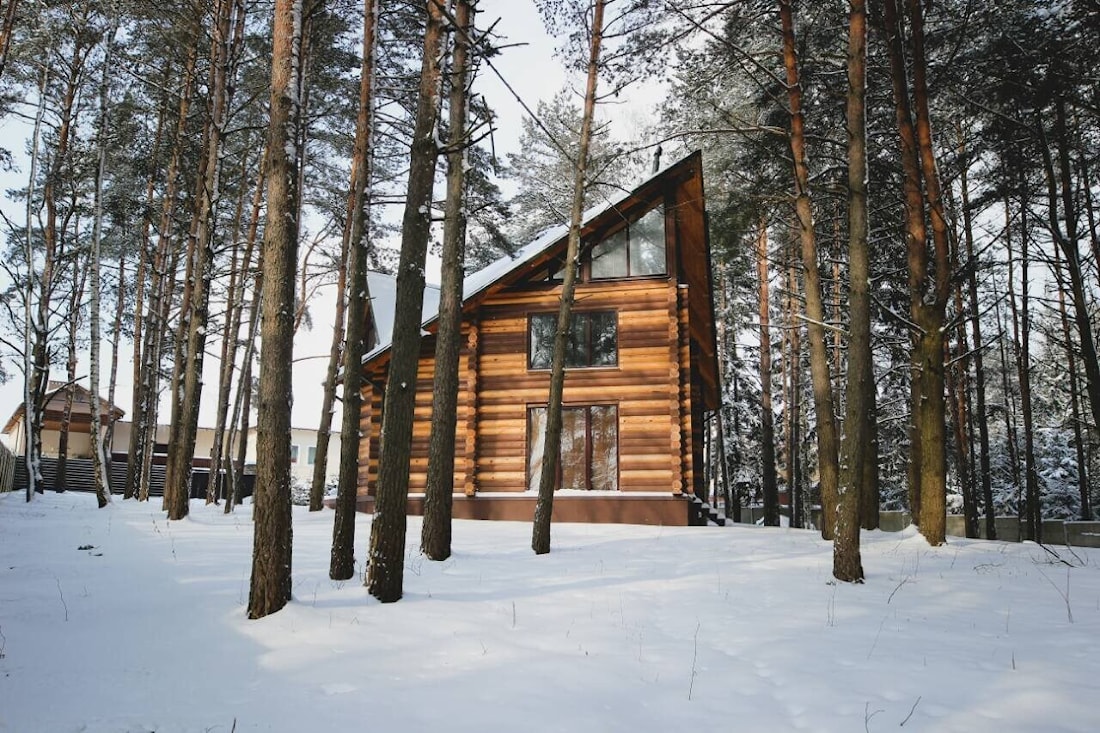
(99, 462)
(544, 506)
(273, 535)
(34, 381)
(386, 561)
(435, 541)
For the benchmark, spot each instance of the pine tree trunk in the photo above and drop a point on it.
(767, 429)
(328, 390)
(342, 555)
(234, 295)
(273, 535)
(827, 444)
(53, 240)
(435, 541)
(242, 405)
(860, 401)
(795, 486)
(1029, 510)
(385, 572)
(1085, 510)
(931, 413)
(1011, 440)
(7, 26)
(162, 286)
(979, 359)
(1067, 240)
(79, 277)
(193, 329)
(958, 389)
(112, 379)
(544, 505)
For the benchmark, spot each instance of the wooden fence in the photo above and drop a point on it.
(7, 469)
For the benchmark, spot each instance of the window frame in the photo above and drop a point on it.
(627, 242)
(589, 448)
(590, 352)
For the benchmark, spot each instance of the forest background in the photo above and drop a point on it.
(1013, 100)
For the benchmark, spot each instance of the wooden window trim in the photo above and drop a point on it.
(586, 269)
(587, 314)
(588, 444)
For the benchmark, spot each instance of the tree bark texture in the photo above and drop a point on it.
(857, 447)
(1066, 236)
(435, 541)
(188, 385)
(99, 461)
(385, 572)
(544, 505)
(767, 417)
(342, 555)
(927, 300)
(155, 321)
(827, 444)
(795, 484)
(984, 469)
(240, 270)
(273, 534)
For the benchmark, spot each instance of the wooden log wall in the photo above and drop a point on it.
(496, 389)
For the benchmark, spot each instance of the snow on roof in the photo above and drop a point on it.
(476, 282)
(383, 295)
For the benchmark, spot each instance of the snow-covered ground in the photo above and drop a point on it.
(117, 620)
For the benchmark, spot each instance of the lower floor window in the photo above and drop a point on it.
(589, 447)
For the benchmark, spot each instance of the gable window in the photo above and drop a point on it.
(589, 447)
(636, 250)
(593, 340)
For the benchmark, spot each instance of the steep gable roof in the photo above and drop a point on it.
(508, 268)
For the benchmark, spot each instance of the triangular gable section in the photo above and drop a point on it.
(552, 242)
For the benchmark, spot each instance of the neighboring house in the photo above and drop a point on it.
(79, 422)
(303, 453)
(642, 372)
(78, 469)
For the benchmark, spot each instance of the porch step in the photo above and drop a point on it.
(712, 514)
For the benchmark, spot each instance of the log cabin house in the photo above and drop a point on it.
(642, 373)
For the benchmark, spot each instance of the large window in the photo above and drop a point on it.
(634, 251)
(593, 339)
(589, 447)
